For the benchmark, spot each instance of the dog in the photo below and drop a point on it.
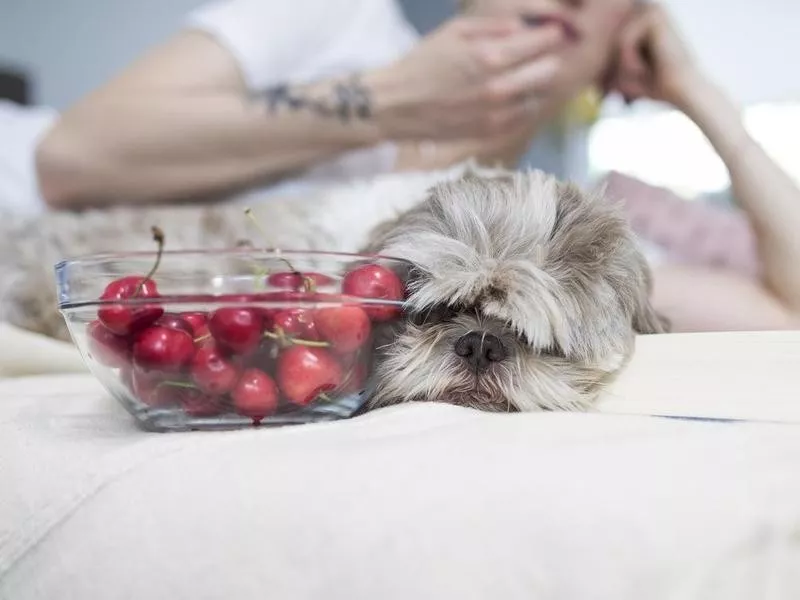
(525, 293)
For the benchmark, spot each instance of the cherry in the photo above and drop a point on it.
(152, 390)
(237, 329)
(293, 280)
(304, 373)
(196, 403)
(173, 321)
(375, 282)
(162, 349)
(123, 319)
(212, 373)
(108, 348)
(296, 322)
(346, 328)
(198, 321)
(256, 395)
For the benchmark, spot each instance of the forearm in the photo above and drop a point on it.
(765, 192)
(120, 147)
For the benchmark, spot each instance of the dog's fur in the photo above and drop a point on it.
(553, 273)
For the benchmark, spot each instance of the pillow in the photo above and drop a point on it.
(695, 233)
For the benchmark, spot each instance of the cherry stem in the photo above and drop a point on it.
(158, 238)
(202, 338)
(308, 283)
(325, 398)
(287, 340)
(258, 270)
(178, 384)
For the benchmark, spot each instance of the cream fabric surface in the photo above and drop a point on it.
(418, 501)
(24, 353)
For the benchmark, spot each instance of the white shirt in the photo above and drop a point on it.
(274, 42)
(21, 128)
(298, 41)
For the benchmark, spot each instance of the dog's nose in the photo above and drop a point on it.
(480, 348)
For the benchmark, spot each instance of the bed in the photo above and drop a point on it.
(417, 501)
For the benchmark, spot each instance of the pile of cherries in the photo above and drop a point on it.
(243, 357)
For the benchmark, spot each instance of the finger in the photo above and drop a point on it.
(486, 26)
(523, 81)
(632, 90)
(500, 54)
(633, 38)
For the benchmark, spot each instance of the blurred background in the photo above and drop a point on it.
(54, 51)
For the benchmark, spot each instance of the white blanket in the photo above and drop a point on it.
(419, 501)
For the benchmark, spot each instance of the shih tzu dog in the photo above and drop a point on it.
(525, 292)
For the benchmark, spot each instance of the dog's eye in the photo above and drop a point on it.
(435, 314)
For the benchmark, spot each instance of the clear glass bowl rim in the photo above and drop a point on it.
(265, 253)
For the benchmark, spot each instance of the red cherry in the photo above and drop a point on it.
(173, 321)
(298, 281)
(304, 373)
(108, 348)
(195, 403)
(237, 329)
(123, 319)
(151, 390)
(256, 395)
(163, 350)
(347, 328)
(198, 321)
(377, 283)
(212, 373)
(296, 322)
(284, 301)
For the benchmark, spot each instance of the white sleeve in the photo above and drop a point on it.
(21, 129)
(279, 41)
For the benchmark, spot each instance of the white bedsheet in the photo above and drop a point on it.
(415, 502)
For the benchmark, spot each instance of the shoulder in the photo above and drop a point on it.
(276, 41)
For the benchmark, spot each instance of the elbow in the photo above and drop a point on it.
(65, 169)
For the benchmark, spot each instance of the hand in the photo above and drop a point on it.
(474, 77)
(653, 61)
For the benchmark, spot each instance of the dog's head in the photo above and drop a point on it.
(525, 294)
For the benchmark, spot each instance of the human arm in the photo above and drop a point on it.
(764, 191)
(178, 125)
(181, 123)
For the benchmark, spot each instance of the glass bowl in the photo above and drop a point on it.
(232, 338)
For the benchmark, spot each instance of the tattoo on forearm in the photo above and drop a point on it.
(346, 100)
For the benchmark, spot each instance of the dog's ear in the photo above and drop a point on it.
(645, 318)
(648, 321)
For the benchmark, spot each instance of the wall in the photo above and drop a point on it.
(748, 45)
(71, 46)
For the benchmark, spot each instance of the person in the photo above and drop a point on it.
(257, 92)
(278, 95)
